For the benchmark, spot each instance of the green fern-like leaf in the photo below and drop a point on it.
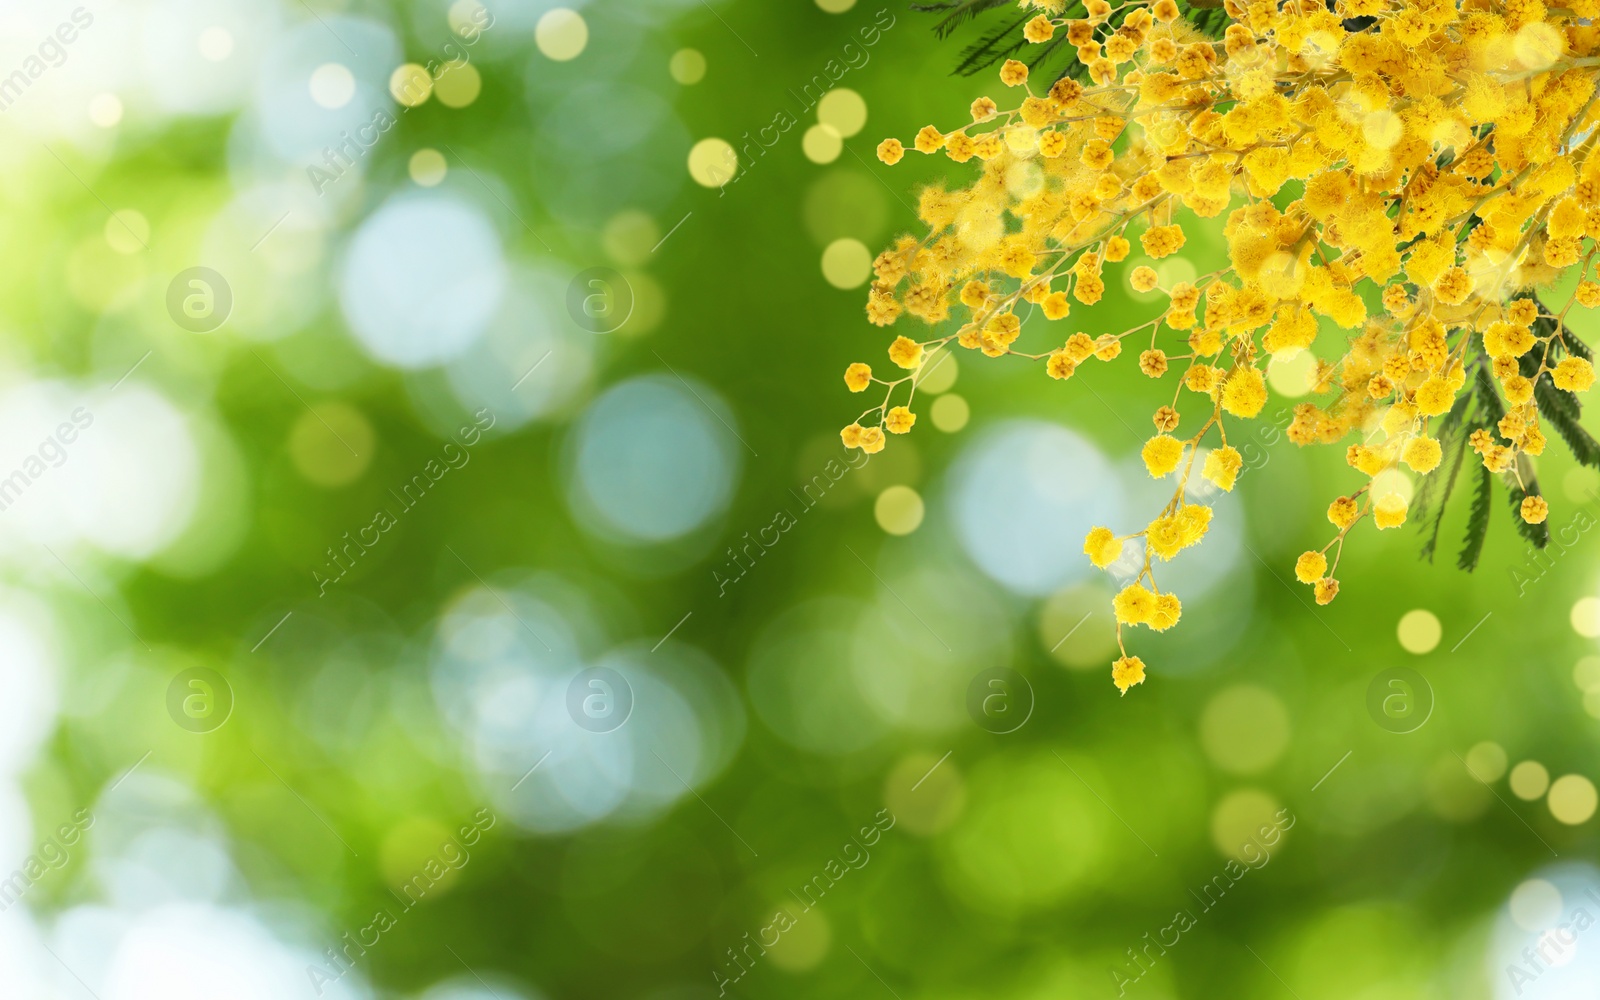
(1477, 522)
(993, 47)
(1433, 499)
(960, 12)
(1538, 535)
(1055, 60)
(1583, 445)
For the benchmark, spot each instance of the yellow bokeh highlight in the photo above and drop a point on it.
(822, 144)
(687, 66)
(649, 304)
(1074, 627)
(128, 231)
(331, 444)
(630, 236)
(1290, 375)
(805, 944)
(1529, 780)
(924, 795)
(1237, 820)
(407, 849)
(427, 167)
(899, 510)
(561, 34)
(1419, 631)
(1244, 729)
(847, 263)
(1586, 673)
(950, 413)
(458, 86)
(843, 109)
(1486, 761)
(1537, 45)
(1572, 799)
(1586, 617)
(1393, 480)
(713, 162)
(410, 85)
(466, 17)
(938, 374)
(1453, 793)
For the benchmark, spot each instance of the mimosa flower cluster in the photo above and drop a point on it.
(1409, 178)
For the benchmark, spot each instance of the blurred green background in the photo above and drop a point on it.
(458, 589)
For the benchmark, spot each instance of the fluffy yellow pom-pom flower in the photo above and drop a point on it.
(899, 420)
(1102, 547)
(1126, 672)
(905, 352)
(1133, 605)
(1389, 511)
(1573, 375)
(857, 377)
(1310, 567)
(1161, 454)
(1245, 392)
(1167, 612)
(1222, 467)
(1422, 454)
(1434, 397)
(1162, 241)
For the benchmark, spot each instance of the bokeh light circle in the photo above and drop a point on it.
(687, 66)
(1419, 631)
(1586, 617)
(1244, 729)
(427, 167)
(821, 144)
(950, 413)
(898, 510)
(421, 278)
(1486, 761)
(562, 34)
(1529, 780)
(458, 86)
(1572, 799)
(847, 263)
(1238, 818)
(712, 162)
(332, 85)
(844, 110)
(1051, 485)
(1535, 905)
(654, 459)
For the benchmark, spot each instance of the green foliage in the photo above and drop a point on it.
(1433, 498)
(1477, 523)
(1056, 58)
